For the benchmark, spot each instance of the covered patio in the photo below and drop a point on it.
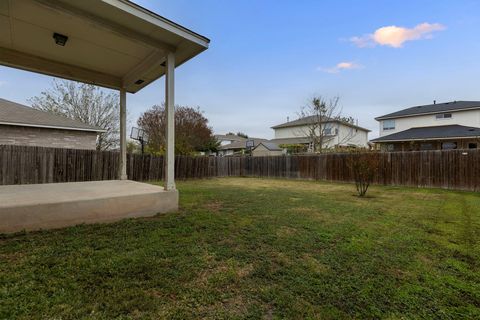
(114, 44)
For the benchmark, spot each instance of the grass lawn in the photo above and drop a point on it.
(257, 248)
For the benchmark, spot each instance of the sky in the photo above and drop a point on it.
(267, 58)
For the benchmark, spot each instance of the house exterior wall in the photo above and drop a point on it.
(45, 137)
(470, 118)
(346, 135)
(261, 151)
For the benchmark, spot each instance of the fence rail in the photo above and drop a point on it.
(452, 169)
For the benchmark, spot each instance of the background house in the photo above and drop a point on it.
(24, 126)
(267, 149)
(225, 139)
(337, 133)
(436, 126)
(238, 147)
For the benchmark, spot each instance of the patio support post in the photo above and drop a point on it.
(170, 128)
(122, 174)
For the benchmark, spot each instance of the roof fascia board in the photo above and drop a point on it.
(18, 124)
(425, 113)
(157, 20)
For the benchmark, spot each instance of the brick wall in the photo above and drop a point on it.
(44, 137)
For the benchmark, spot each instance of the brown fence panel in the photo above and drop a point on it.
(452, 169)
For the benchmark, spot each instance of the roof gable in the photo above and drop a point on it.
(15, 114)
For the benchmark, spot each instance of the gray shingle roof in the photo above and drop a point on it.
(432, 108)
(311, 119)
(270, 146)
(13, 113)
(229, 137)
(242, 144)
(428, 133)
(300, 140)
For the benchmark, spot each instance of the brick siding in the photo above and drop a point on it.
(45, 137)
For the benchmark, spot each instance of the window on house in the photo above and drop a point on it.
(390, 147)
(388, 124)
(443, 116)
(328, 129)
(449, 145)
(472, 145)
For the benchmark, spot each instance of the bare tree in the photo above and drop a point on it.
(320, 115)
(86, 103)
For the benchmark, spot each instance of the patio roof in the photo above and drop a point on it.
(111, 43)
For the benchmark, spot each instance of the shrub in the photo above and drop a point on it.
(364, 167)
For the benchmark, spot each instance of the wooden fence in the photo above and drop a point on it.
(453, 169)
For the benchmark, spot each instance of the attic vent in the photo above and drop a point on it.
(139, 81)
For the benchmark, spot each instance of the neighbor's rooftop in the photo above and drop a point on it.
(312, 119)
(431, 133)
(432, 109)
(15, 114)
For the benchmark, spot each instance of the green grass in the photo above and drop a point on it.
(256, 248)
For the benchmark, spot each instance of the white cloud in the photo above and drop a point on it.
(395, 37)
(345, 65)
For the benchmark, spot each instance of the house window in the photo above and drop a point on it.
(472, 145)
(390, 147)
(443, 116)
(388, 124)
(328, 129)
(449, 145)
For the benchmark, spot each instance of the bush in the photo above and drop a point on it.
(364, 167)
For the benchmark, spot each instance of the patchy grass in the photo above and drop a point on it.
(257, 248)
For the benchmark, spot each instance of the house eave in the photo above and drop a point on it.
(386, 117)
(50, 127)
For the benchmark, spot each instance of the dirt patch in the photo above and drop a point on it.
(285, 232)
(214, 206)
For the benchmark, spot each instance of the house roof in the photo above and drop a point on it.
(431, 133)
(300, 140)
(312, 119)
(270, 146)
(242, 144)
(432, 109)
(229, 137)
(15, 114)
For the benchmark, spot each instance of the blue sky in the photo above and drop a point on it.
(268, 57)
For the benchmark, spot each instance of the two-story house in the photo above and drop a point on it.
(336, 133)
(437, 126)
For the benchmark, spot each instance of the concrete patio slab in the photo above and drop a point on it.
(56, 205)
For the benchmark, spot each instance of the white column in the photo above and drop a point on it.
(122, 174)
(170, 128)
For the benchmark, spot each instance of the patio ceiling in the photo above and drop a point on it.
(111, 43)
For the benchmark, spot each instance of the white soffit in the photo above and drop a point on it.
(111, 43)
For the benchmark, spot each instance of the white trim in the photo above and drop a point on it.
(49, 127)
(426, 113)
